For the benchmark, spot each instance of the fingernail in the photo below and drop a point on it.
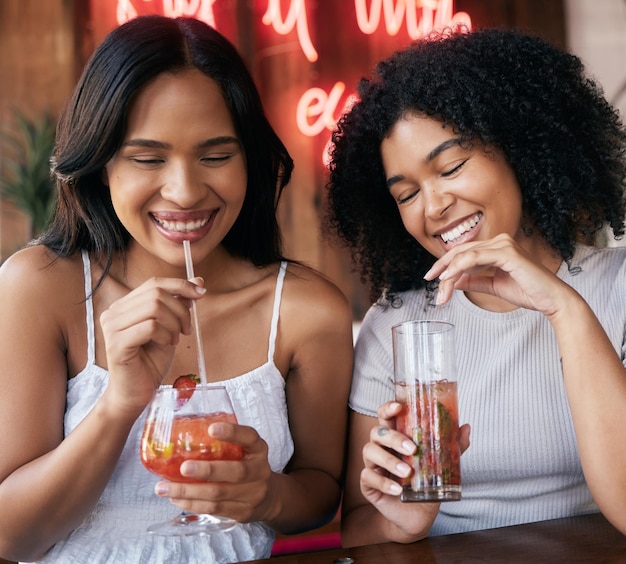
(444, 275)
(408, 447)
(200, 290)
(188, 468)
(395, 489)
(439, 298)
(162, 488)
(403, 469)
(428, 275)
(216, 430)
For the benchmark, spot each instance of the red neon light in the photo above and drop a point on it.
(296, 17)
(317, 109)
(436, 14)
(200, 9)
(316, 103)
(394, 11)
(125, 11)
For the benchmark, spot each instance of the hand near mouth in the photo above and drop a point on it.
(500, 267)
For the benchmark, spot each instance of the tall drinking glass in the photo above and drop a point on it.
(426, 387)
(177, 429)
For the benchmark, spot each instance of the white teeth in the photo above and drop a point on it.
(460, 229)
(182, 226)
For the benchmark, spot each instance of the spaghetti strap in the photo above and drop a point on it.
(276, 311)
(91, 341)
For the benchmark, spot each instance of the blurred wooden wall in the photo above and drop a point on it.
(44, 45)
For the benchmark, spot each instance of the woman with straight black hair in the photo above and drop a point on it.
(164, 141)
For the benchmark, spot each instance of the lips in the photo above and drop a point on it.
(450, 236)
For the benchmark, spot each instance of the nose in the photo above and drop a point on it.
(183, 185)
(436, 201)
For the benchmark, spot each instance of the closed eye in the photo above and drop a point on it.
(454, 170)
(217, 160)
(145, 161)
(406, 197)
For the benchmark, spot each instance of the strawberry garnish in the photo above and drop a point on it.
(185, 385)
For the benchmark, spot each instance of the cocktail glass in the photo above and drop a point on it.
(177, 429)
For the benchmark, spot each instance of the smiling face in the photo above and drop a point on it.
(180, 172)
(448, 194)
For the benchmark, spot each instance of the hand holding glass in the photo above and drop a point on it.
(425, 384)
(177, 429)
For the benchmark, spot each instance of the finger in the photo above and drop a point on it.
(387, 412)
(375, 481)
(375, 456)
(198, 281)
(232, 471)
(392, 439)
(191, 289)
(242, 435)
(155, 304)
(138, 335)
(476, 259)
(205, 497)
(464, 437)
(445, 289)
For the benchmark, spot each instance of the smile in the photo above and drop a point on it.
(464, 227)
(182, 226)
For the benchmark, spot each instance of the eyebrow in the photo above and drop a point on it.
(447, 144)
(206, 144)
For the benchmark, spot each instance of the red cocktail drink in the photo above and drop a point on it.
(430, 418)
(163, 452)
(424, 366)
(177, 429)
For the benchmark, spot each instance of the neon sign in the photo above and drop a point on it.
(199, 9)
(436, 14)
(317, 109)
(296, 17)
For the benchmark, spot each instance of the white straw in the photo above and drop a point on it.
(194, 311)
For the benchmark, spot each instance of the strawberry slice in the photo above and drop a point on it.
(185, 385)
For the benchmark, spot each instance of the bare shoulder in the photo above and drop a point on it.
(309, 294)
(36, 274)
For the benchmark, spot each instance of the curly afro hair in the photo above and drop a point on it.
(506, 89)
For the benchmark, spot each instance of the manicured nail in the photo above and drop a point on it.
(395, 489)
(200, 290)
(428, 275)
(403, 469)
(408, 447)
(162, 488)
(188, 468)
(216, 430)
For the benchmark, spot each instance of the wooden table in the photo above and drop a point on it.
(588, 538)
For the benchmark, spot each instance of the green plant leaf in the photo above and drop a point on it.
(26, 178)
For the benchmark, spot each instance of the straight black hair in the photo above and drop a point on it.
(92, 127)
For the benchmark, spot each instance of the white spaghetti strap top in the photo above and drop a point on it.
(115, 530)
(91, 340)
(276, 311)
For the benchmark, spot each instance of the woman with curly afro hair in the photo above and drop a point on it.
(470, 181)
